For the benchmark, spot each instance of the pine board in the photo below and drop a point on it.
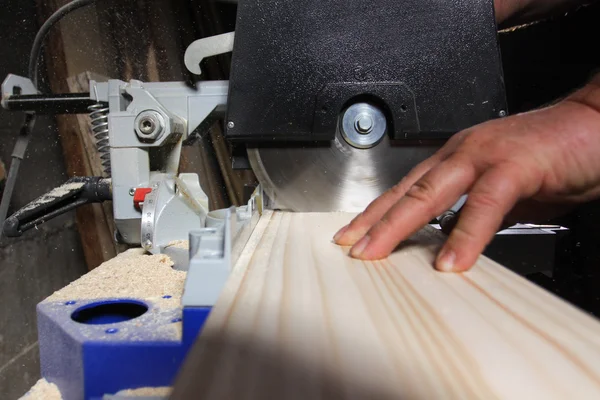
(299, 319)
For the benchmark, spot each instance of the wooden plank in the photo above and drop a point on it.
(300, 319)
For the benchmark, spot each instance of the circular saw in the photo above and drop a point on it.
(337, 101)
(346, 174)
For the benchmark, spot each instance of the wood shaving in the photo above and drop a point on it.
(131, 274)
(146, 391)
(42, 390)
(54, 194)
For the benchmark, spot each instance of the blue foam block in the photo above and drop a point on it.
(95, 347)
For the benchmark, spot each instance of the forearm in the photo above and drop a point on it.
(521, 11)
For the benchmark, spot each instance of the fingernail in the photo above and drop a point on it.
(340, 233)
(445, 260)
(359, 248)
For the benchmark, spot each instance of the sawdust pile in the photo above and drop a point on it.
(42, 390)
(147, 391)
(131, 274)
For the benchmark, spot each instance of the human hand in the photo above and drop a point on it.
(548, 158)
(511, 12)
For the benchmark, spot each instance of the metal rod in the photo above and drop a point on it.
(68, 103)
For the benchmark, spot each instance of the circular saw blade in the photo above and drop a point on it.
(334, 176)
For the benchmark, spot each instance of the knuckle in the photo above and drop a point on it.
(382, 227)
(398, 188)
(472, 143)
(484, 200)
(423, 192)
(458, 138)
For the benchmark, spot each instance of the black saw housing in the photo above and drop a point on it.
(433, 66)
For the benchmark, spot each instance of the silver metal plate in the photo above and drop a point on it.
(335, 176)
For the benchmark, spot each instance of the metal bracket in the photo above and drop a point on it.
(207, 47)
(177, 110)
(174, 207)
(15, 84)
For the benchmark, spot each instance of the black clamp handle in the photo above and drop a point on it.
(72, 194)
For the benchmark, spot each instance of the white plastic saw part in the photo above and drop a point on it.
(207, 47)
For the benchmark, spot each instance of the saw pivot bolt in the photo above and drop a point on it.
(363, 125)
(149, 125)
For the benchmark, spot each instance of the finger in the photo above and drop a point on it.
(490, 200)
(438, 190)
(354, 231)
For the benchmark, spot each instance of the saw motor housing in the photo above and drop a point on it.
(433, 67)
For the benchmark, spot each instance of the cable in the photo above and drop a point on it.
(38, 43)
(25, 133)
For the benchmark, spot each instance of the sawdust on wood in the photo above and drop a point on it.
(146, 391)
(54, 194)
(42, 390)
(131, 274)
(179, 244)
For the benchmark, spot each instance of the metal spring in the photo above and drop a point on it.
(99, 117)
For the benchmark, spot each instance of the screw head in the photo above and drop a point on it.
(131, 191)
(147, 125)
(502, 113)
(363, 123)
(230, 125)
(148, 244)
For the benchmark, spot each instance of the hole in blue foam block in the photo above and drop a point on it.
(109, 312)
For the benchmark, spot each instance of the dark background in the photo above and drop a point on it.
(542, 63)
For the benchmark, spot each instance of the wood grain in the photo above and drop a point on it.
(299, 319)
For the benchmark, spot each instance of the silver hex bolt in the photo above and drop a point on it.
(149, 125)
(364, 123)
